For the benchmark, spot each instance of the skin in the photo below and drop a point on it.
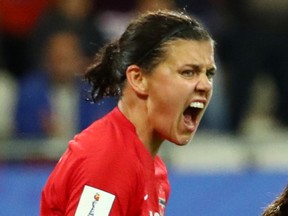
(155, 103)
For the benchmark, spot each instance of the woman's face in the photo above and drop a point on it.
(179, 90)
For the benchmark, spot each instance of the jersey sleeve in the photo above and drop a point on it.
(115, 179)
(106, 184)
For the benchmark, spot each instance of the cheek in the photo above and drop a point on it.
(210, 93)
(167, 99)
(170, 98)
(162, 106)
(165, 110)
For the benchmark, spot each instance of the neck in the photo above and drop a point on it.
(136, 112)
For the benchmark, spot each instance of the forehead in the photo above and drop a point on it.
(190, 52)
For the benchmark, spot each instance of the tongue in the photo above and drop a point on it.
(189, 123)
(188, 119)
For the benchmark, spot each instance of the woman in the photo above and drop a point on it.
(161, 68)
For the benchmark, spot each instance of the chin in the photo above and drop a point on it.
(182, 143)
(184, 140)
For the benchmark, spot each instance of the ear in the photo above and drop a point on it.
(136, 79)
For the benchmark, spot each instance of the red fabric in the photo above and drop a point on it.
(109, 156)
(18, 17)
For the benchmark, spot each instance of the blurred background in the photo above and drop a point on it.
(238, 161)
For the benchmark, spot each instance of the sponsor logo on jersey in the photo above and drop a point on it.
(94, 201)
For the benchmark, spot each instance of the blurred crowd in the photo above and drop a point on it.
(46, 45)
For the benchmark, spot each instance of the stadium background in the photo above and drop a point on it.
(220, 173)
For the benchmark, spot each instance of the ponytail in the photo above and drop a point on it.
(104, 75)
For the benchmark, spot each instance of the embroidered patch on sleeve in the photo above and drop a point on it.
(94, 201)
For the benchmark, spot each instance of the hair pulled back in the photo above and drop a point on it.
(142, 44)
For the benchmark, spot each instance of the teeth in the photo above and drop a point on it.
(198, 105)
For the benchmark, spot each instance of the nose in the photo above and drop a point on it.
(204, 84)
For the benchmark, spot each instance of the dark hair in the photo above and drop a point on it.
(142, 44)
(279, 207)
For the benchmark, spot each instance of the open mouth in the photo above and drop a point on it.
(192, 113)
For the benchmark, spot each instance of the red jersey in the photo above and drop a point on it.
(106, 170)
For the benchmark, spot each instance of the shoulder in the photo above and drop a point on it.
(105, 148)
(110, 134)
(108, 168)
(107, 152)
(101, 159)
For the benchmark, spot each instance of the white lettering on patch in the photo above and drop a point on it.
(94, 201)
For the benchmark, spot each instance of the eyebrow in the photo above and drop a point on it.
(199, 67)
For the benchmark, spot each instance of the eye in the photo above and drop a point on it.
(188, 73)
(210, 74)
